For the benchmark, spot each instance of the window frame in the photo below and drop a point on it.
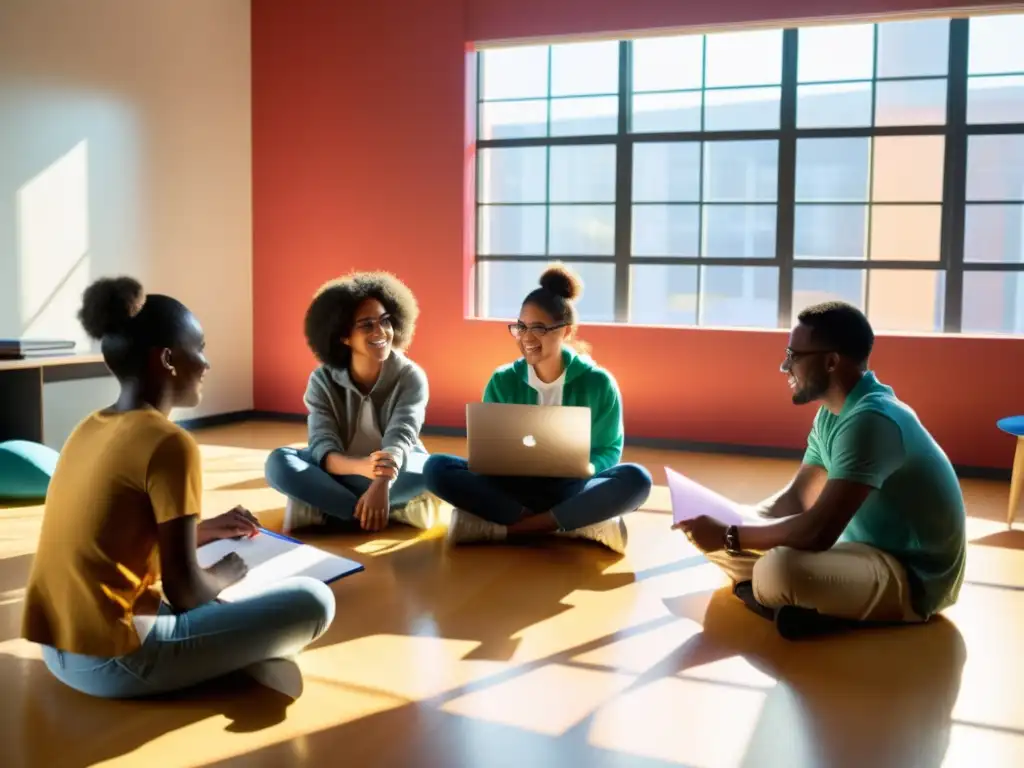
(956, 132)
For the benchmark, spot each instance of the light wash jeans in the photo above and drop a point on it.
(185, 649)
(293, 472)
(574, 503)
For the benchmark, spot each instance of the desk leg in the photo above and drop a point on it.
(21, 405)
(1016, 482)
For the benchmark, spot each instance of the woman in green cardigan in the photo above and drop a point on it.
(549, 372)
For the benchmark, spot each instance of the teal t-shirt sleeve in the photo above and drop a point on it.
(812, 455)
(867, 449)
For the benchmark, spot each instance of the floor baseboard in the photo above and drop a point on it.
(656, 443)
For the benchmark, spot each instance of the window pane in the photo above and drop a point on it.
(993, 302)
(514, 73)
(995, 167)
(814, 286)
(664, 173)
(995, 45)
(739, 231)
(829, 231)
(994, 233)
(739, 297)
(668, 63)
(504, 285)
(832, 170)
(841, 105)
(666, 230)
(584, 117)
(910, 102)
(908, 169)
(742, 109)
(995, 100)
(513, 119)
(511, 230)
(913, 48)
(663, 295)
(583, 174)
(906, 232)
(906, 300)
(744, 58)
(580, 69)
(512, 175)
(741, 171)
(582, 230)
(656, 112)
(828, 54)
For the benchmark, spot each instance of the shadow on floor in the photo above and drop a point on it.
(1009, 539)
(54, 726)
(839, 688)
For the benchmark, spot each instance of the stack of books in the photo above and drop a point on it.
(20, 349)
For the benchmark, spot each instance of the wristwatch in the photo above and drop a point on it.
(732, 540)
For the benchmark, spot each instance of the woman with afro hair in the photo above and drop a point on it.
(549, 372)
(366, 404)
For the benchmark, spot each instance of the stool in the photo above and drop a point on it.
(1014, 425)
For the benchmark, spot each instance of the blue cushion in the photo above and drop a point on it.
(25, 469)
(1012, 424)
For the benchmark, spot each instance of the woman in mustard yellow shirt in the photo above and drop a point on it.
(123, 511)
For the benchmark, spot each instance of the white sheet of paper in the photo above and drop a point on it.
(691, 499)
(272, 558)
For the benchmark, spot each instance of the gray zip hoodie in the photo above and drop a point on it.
(399, 401)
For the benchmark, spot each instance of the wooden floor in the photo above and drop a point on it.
(558, 654)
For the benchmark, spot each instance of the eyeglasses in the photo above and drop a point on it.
(792, 355)
(367, 325)
(518, 330)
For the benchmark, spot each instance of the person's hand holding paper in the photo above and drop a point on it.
(700, 513)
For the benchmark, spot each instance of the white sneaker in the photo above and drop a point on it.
(419, 512)
(466, 527)
(298, 514)
(611, 533)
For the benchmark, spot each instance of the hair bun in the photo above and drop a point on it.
(108, 304)
(562, 282)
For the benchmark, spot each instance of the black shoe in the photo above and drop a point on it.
(795, 623)
(744, 590)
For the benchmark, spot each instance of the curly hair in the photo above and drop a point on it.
(331, 315)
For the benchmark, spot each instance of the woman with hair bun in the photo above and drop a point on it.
(550, 372)
(123, 511)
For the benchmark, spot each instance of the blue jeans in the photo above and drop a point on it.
(294, 473)
(503, 500)
(215, 639)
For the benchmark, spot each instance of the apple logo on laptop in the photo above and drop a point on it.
(529, 441)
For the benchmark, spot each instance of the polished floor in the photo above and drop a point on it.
(555, 654)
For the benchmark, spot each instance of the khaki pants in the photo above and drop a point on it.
(848, 581)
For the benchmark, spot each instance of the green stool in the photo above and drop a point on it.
(25, 469)
(1014, 425)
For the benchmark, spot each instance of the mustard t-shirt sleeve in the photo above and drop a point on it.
(174, 478)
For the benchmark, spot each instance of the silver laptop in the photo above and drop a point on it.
(528, 440)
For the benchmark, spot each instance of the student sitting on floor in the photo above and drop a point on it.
(123, 510)
(548, 373)
(872, 528)
(366, 403)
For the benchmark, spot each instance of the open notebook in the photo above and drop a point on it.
(272, 557)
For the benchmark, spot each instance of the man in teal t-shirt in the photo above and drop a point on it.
(872, 528)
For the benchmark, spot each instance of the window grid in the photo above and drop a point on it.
(956, 132)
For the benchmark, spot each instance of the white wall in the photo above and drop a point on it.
(125, 148)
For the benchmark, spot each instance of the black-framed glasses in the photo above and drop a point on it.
(792, 355)
(518, 330)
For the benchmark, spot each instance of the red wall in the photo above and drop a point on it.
(358, 163)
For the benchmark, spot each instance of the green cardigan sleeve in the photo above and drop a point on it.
(606, 429)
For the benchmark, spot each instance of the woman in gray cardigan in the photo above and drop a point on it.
(366, 403)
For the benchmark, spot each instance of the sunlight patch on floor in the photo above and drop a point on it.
(549, 700)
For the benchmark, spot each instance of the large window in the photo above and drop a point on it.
(733, 179)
